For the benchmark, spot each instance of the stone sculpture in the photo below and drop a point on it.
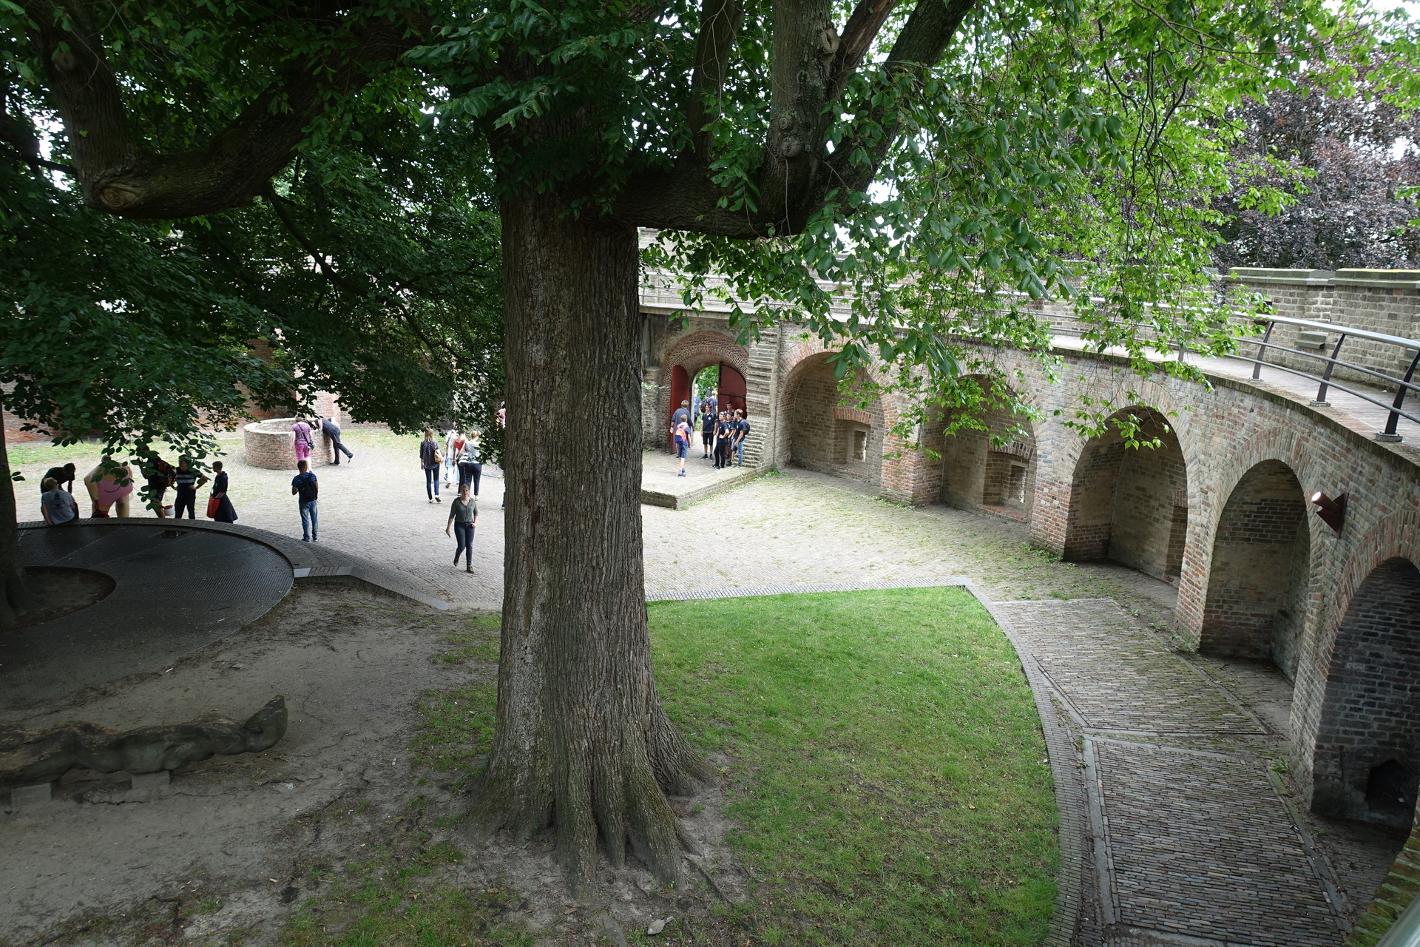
(34, 757)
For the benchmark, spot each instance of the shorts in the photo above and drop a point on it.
(680, 449)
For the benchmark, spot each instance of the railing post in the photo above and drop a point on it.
(1389, 434)
(1321, 401)
(1262, 350)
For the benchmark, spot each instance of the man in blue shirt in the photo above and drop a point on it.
(305, 489)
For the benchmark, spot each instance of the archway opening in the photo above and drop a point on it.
(990, 465)
(826, 431)
(1366, 765)
(1257, 582)
(1129, 504)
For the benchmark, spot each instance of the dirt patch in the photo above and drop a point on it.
(287, 845)
(56, 591)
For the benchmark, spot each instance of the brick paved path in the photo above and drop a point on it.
(1194, 839)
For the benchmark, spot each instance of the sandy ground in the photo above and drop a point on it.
(104, 863)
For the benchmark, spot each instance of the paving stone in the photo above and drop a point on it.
(1201, 846)
(1119, 676)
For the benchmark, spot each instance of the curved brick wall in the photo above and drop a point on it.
(1284, 580)
(268, 445)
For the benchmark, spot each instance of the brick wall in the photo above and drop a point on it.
(1257, 578)
(1384, 301)
(977, 475)
(1372, 712)
(1400, 888)
(269, 445)
(819, 438)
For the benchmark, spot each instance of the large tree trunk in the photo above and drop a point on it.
(13, 596)
(582, 743)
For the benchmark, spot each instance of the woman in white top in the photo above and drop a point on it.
(450, 461)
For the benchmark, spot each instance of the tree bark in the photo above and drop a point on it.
(13, 594)
(582, 743)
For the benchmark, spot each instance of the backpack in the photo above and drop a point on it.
(309, 490)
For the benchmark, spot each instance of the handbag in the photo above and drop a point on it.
(214, 504)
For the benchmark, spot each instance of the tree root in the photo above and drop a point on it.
(614, 793)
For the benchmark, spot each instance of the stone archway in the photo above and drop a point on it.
(1130, 505)
(1366, 763)
(691, 353)
(980, 471)
(1258, 580)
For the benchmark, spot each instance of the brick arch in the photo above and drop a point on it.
(694, 351)
(978, 475)
(1217, 482)
(887, 465)
(1260, 569)
(1395, 537)
(1365, 761)
(1150, 532)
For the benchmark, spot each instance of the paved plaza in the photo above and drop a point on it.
(1187, 831)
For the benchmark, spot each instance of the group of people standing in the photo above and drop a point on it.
(110, 486)
(723, 433)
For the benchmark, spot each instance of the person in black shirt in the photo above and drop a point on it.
(707, 429)
(741, 435)
(187, 480)
(159, 474)
(226, 513)
(724, 434)
(63, 476)
(331, 430)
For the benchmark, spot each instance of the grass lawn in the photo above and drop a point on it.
(888, 776)
(884, 772)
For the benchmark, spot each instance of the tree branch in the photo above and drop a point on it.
(859, 32)
(929, 29)
(341, 282)
(798, 171)
(719, 22)
(120, 175)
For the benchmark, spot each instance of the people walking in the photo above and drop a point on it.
(681, 415)
(302, 442)
(110, 484)
(451, 455)
(430, 459)
(223, 512)
(56, 506)
(463, 514)
(681, 433)
(471, 462)
(741, 435)
(331, 430)
(306, 491)
(186, 480)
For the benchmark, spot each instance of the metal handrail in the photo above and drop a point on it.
(1403, 384)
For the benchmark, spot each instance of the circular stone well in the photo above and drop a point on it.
(269, 446)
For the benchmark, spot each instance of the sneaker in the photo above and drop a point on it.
(468, 569)
(304, 539)
(438, 500)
